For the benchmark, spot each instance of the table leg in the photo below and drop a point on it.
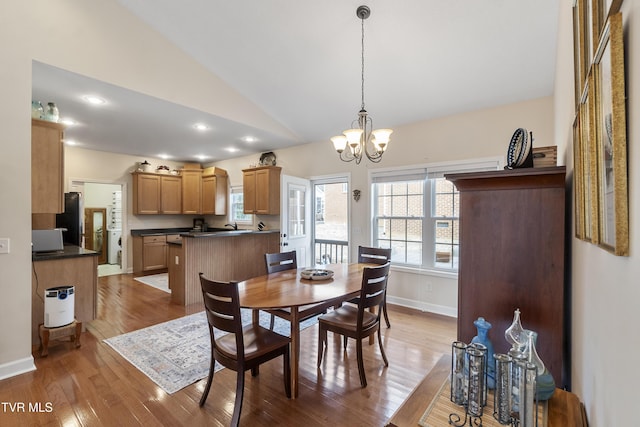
(295, 350)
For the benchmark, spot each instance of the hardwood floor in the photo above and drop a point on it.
(93, 385)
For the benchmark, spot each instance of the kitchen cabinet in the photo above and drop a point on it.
(156, 194)
(261, 188)
(47, 167)
(191, 191)
(512, 254)
(214, 191)
(149, 253)
(170, 194)
(146, 193)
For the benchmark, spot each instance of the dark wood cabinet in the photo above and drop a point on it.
(512, 255)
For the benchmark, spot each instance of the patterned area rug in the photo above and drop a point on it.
(177, 353)
(158, 281)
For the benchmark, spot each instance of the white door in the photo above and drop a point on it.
(295, 218)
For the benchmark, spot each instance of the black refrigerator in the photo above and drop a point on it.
(71, 219)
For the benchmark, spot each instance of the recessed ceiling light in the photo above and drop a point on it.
(95, 100)
(68, 122)
(201, 126)
(232, 149)
(201, 156)
(164, 156)
(70, 142)
(250, 139)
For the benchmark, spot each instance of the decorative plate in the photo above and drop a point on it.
(519, 148)
(316, 274)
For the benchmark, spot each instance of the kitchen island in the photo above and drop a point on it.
(223, 256)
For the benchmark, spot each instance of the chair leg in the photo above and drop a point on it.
(363, 378)
(237, 408)
(273, 320)
(287, 372)
(384, 355)
(205, 393)
(386, 316)
(255, 371)
(322, 342)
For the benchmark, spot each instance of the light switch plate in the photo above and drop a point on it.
(4, 245)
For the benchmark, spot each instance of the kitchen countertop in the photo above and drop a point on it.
(188, 232)
(69, 251)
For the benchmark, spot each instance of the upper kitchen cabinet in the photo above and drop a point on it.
(261, 187)
(156, 194)
(146, 193)
(191, 191)
(170, 194)
(214, 191)
(47, 167)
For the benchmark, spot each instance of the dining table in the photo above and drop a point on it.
(289, 289)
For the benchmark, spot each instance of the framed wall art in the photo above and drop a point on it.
(611, 139)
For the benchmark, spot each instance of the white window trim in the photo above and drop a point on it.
(432, 170)
(238, 189)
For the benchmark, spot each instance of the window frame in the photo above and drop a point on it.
(427, 174)
(238, 189)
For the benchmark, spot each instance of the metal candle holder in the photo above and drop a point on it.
(472, 387)
(515, 401)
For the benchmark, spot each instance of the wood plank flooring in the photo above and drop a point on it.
(95, 386)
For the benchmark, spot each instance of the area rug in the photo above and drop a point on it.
(177, 353)
(158, 281)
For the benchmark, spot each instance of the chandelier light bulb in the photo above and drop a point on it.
(339, 143)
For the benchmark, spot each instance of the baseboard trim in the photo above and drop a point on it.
(17, 367)
(423, 306)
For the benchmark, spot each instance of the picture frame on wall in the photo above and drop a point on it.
(611, 139)
(578, 181)
(589, 164)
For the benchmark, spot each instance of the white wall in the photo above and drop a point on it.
(606, 289)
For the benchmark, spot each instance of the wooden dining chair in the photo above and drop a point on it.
(375, 256)
(281, 261)
(242, 347)
(358, 322)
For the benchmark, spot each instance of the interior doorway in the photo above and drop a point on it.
(109, 196)
(95, 232)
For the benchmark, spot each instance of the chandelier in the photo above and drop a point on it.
(361, 140)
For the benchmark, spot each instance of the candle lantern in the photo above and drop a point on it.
(474, 376)
(458, 378)
(502, 397)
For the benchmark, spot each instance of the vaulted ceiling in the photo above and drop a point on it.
(299, 61)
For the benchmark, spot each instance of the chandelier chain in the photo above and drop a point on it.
(362, 62)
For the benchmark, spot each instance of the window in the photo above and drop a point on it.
(236, 213)
(415, 213)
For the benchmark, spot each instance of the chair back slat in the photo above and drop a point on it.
(222, 306)
(281, 261)
(373, 255)
(374, 286)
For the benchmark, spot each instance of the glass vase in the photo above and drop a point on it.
(513, 334)
(37, 111)
(531, 353)
(483, 338)
(51, 113)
